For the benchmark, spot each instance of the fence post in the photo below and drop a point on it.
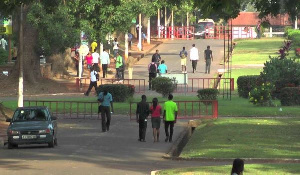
(215, 109)
(232, 84)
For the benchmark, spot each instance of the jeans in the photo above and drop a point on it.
(207, 66)
(142, 128)
(92, 84)
(104, 69)
(105, 117)
(194, 65)
(167, 124)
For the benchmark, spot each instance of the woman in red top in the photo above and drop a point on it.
(89, 59)
(155, 111)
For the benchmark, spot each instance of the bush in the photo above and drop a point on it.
(261, 95)
(208, 94)
(284, 73)
(163, 85)
(246, 84)
(119, 92)
(290, 96)
(3, 55)
(294, 35)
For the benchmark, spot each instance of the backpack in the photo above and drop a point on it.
(152, 68)
(97, 75)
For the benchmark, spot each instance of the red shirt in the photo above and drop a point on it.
(89, 59)
(155, 113)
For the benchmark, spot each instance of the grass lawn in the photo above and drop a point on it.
(266, 169)
(245, 138)
(255, 51)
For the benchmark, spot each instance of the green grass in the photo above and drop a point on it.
(265, 169)
(245, 138)
(234, 107)
(254, 51)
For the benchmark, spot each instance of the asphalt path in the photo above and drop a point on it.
(84, 149)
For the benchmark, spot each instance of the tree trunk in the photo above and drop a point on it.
(31, 60)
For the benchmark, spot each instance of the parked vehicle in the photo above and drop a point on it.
(32, 125)
(203, 27)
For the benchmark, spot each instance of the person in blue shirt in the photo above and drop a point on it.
(105, 98)
(163, 68)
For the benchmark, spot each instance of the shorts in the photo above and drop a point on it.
(155, 122)
(183, 61)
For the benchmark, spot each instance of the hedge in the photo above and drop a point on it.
(163, 85)
(246, 84)
(294, 35)
(208, 94)
(290, 96)
(119, 92)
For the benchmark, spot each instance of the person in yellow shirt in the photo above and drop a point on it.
(94, 46)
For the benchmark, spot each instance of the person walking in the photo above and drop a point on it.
(208, 59)
(115, 47)
(162, 68)
(105, 61)
(106, 100)
(156, 112)
(89, 60)
(129, 40)
(194, 57)
(237, 167)
(119, 67)
(156, 57)
(3, 43)
(95, 60)
(152, 68)
(170, 117)
(142, 112)
(183, 55)
(93, 82)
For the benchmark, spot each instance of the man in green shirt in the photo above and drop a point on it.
(119, 66)
(170, 117)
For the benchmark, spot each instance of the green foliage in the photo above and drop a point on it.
(261, 95)
(246, 84)
(294, 35)
(290, 96)
(208, 94)
(119, 92)
(3, 55)
(283, 73)
(163, 85)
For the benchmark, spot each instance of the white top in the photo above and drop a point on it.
(115, 43)
(93, 76)
(95, 56)
(104, 58)
(3, 43)
(194, 54)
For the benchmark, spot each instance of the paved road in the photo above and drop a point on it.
(84, 149)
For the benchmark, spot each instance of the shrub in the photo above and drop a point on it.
(261, 95)
(119, 92)
(208, 94)
(294, 35)
(163, 85)
(283, 73)
(3, 55)
(290, 96)
(246, 84)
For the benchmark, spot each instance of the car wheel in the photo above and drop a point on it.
(11, 145)
(51, 144)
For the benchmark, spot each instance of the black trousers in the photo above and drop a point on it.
(104, 70)
(97, 68)
(167, 125)
(151, 76)
(142, 129)
(105, 117)
(92, 84)
(194, 65)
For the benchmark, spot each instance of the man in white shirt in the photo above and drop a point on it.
(95, 60)
(3, 43)
(105, 61)
(194, 57)
(93, 82)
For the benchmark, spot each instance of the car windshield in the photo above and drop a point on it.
(203, 25)
(30, 115)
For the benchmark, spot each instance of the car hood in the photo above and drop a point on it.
(31, 125)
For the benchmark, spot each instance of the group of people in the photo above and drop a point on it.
(93, 60)
(168, 113)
